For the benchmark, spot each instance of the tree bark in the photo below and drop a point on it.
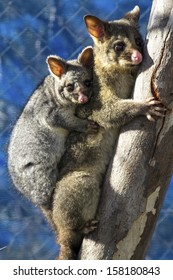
(140, 172)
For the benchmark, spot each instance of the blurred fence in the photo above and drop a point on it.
(29, 31)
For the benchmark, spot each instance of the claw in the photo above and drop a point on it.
(163, 109)
(156, 113)
(154, 102)
(152, 99)
(150, 118)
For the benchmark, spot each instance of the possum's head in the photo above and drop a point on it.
(73, 78)
(118, 44)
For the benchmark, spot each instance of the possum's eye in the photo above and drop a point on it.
(87, 83)
(119, 46)
(139, 42)
(70, 87)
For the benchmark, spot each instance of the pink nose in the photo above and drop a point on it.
(82, 98)
(136, 57)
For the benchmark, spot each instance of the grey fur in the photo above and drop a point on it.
(38, 139)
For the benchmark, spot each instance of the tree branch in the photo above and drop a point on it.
(138, 176)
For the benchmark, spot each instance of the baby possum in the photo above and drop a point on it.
(38, 139)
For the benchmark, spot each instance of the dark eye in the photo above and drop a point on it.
(119, 46)
(70, 87)
(139, 42)
(87, 83)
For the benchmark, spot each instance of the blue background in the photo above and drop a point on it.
(29, 32)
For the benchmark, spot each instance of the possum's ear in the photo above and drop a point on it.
(56, 65)
(96, 27)
(86, 57)
(133, 16)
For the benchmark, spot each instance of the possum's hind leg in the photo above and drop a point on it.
(74, 204)
(70, 242)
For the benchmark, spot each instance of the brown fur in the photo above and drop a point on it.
(84, 163)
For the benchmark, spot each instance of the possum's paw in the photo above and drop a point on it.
(90, 226)
(92, 127)
(154, 108)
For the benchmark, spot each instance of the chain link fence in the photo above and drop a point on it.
(29, 32)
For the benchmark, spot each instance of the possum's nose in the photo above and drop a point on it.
(136, 57)
(82, 98)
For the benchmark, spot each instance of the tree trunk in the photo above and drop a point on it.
(140, 172)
